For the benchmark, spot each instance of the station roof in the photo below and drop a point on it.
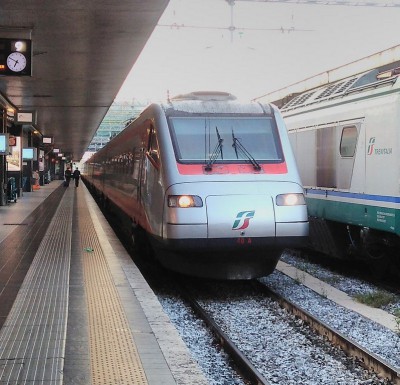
(82, 52)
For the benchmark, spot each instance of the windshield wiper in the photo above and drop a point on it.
(214, 155)
(238, 146)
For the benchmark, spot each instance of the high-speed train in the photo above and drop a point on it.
(210, 181)
(346, 139)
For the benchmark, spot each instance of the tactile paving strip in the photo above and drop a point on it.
(114, 357)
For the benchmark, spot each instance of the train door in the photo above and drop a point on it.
(136, 149)
(304, 149)
(137, 160)
(151, 188)
(325, 165)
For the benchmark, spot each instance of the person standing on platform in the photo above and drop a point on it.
(68, 176)
(76, 176)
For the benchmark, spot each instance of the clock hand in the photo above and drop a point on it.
(15, 61)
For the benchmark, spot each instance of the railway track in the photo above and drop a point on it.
(242, 363)
(367, 359)
(363, 357)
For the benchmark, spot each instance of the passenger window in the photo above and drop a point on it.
(348, 141)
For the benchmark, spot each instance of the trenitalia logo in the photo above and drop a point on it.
(371, 145)
(242, 220)
(377, 151)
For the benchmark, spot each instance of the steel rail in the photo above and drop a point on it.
(243, 364)
(366, 358)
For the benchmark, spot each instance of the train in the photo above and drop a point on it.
(209, 182)
(345, 135)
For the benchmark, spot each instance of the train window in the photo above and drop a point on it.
(348, 141)
(197, 138)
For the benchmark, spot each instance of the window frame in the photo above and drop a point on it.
(354, 140)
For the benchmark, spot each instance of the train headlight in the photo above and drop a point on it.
(184, 201)
(290, 199)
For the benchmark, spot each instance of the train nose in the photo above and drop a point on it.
(232, 216)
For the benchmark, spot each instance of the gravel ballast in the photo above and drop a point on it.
(283, 349)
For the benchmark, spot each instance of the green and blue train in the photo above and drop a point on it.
(346, 138)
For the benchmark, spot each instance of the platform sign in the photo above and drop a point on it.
(47, 139)
(4, 144)
(15, 57)
(25, 117)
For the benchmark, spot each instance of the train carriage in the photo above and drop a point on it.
(346, 139)
(212, 183)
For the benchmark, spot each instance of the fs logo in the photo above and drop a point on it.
(242, 220)
(371, 145)
(372, 150)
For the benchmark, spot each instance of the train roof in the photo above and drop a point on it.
(386, 75)
(215, 102)
(373, 71)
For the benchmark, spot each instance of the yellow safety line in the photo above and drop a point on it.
(113, 353)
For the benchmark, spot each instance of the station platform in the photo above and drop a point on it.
(74, 308)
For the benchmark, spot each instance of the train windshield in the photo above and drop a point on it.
(199, 139)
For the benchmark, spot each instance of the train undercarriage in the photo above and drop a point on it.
(379, 250)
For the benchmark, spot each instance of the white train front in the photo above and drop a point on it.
(212, 183)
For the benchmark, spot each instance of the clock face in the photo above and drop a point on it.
(16, 61)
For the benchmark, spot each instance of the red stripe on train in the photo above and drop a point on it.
(197, 169)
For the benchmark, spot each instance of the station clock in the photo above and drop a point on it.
(15, 57)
